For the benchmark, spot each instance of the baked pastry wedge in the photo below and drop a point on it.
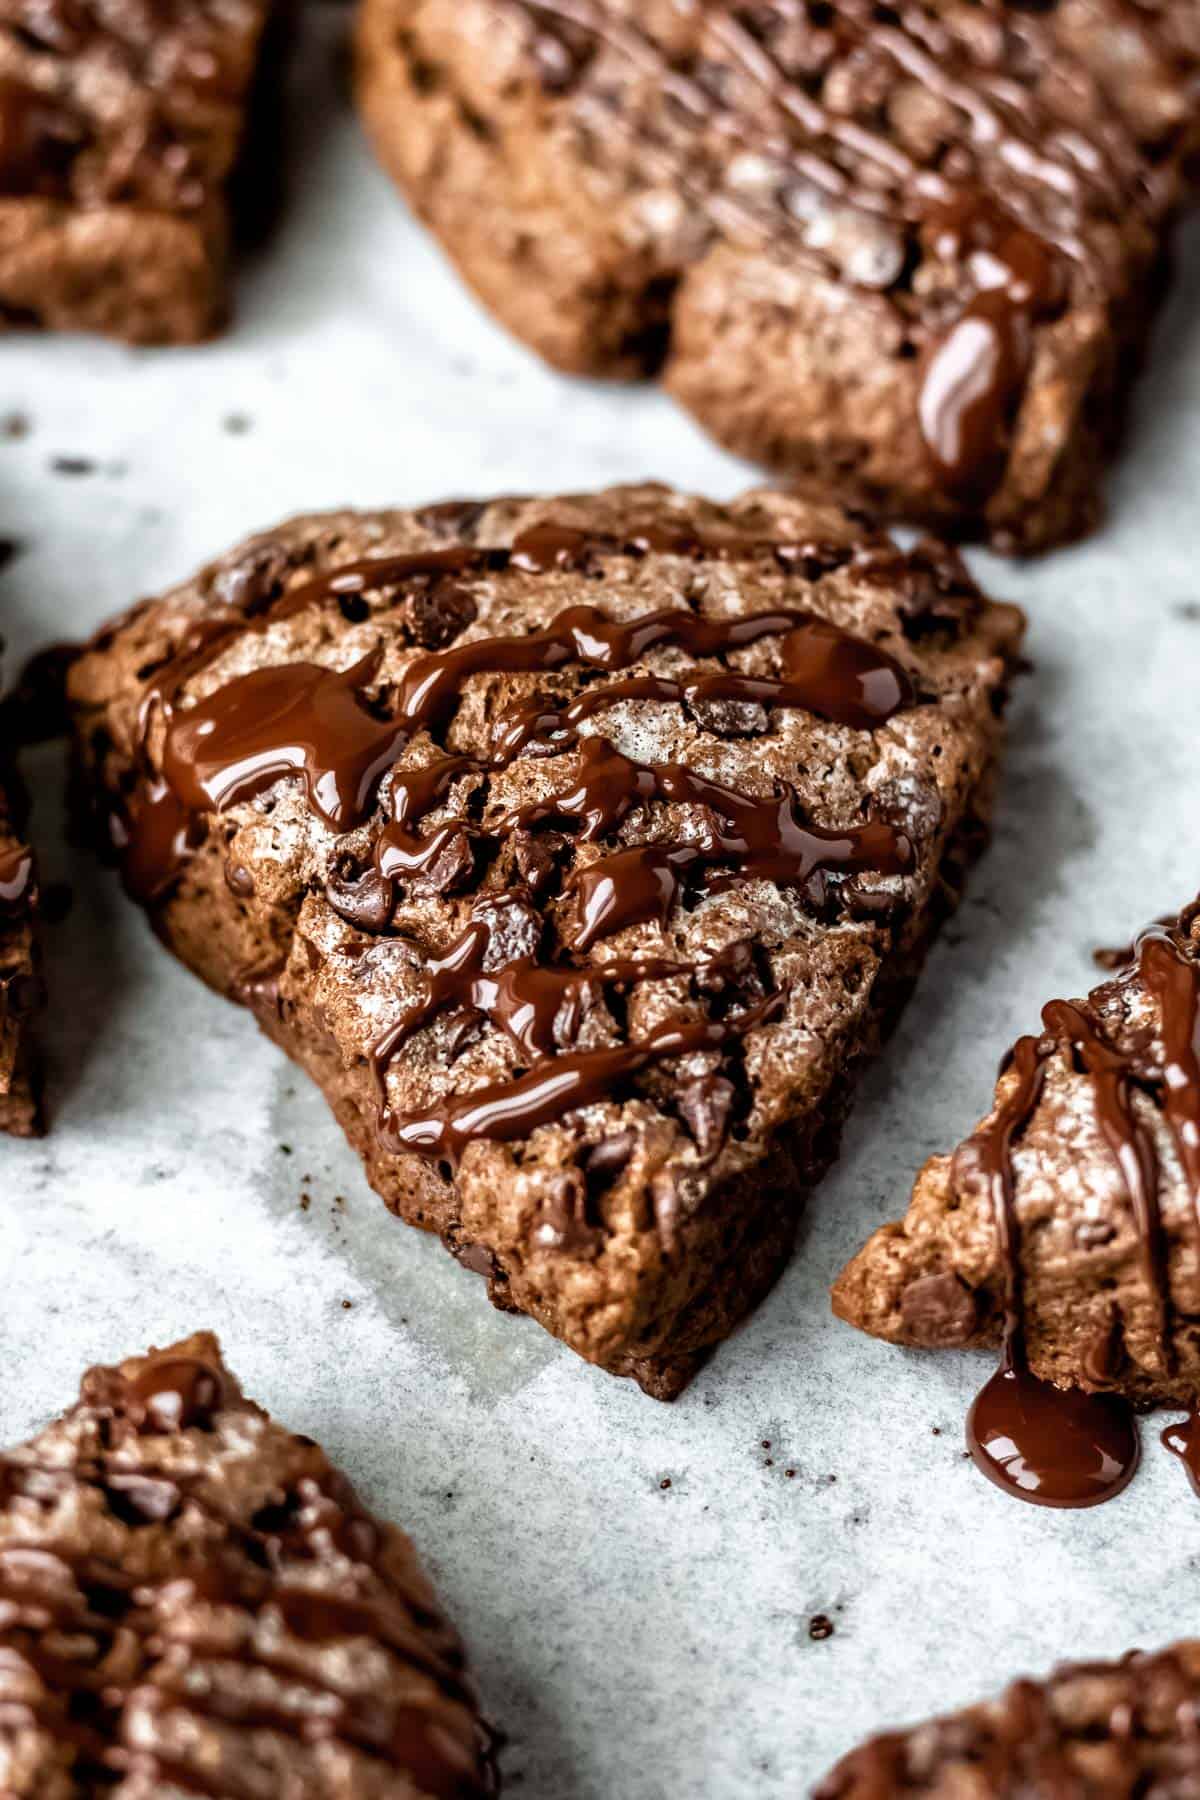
(193, 1600)
(1067, 1226)
(121, 125)
(908, 256)
(1096, 1731)
(579, 848)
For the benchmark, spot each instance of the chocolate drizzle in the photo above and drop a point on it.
(18, 881)
(1015, 260)
(111, 1653)
(559, 1085)
(1068, 1447)
(323, 726)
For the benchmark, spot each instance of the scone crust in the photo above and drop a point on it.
(682, 1238)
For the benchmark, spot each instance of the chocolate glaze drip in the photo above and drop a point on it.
(18, 881)
(1066, 1447)
(299, 718)
(974, 374)
(1052, 1446)
(128, 1658)
(559, 1085)
(1015, 257)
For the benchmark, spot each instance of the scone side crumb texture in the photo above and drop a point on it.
(813, 223)
(644, 1254)
(192, 1598)
(20, 974)
(1101, 1729)
(120, 132)
(1094, 1312)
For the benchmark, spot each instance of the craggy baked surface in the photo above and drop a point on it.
(193, 1600)
(841, 226)
(642, 1224)
(120, 124)
(20, 981)
(1093, 1731)
(1104, 1183)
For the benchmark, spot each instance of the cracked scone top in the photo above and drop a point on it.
(907, 253)
(1093, 1731)
(192, 1600)
(578, 847)
(121, 124)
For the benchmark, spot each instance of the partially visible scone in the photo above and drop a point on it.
(20, 980)
(907, 256)
(580, 849)
(1076, 1204)
(1093, 1731)
(194, 1601)
(120, 128)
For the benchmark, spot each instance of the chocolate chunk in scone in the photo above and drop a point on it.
(1098, 1731)
(20, 976)
(121, 124)
(1067, 1226)
(194, 1601)
(908, 255)
(579, 848)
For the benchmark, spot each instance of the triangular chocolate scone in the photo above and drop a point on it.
(1094, 1731)
(1068, 1224)
(580, 848)
(193, 1601)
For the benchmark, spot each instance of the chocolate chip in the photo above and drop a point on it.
(453, 519)
(820, 1626)
(252, 578)
(939, 1310)
(141, 1499)
(435, 612)
(367, 901)
(564, 1224)
(704, 1105)
(239, 880)
(1093, 1234)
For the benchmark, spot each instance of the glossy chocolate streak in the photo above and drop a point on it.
(295, 719)
(1053, 1446)
(1018, 1421)
(539, 1007)
(560, 1085)
(18, 881)
(762, 838)
(49, 1591)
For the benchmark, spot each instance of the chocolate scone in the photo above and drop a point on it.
(1067, 1228)
(20, 977)
(193, 1600)
(1094, 1731)
(577, 847)
(120, 127)
(908, 255)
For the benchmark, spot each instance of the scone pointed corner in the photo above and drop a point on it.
(1071, 1215)
(926, 1281)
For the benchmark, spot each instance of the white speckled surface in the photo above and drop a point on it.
(636, 1641)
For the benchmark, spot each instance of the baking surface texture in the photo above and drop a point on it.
(646, 1591)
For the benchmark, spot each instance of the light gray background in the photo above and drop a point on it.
(635, 1641)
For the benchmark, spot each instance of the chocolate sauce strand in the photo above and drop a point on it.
(1052, 1446)
(295, 719)
(516, 1109)
(18, 880)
